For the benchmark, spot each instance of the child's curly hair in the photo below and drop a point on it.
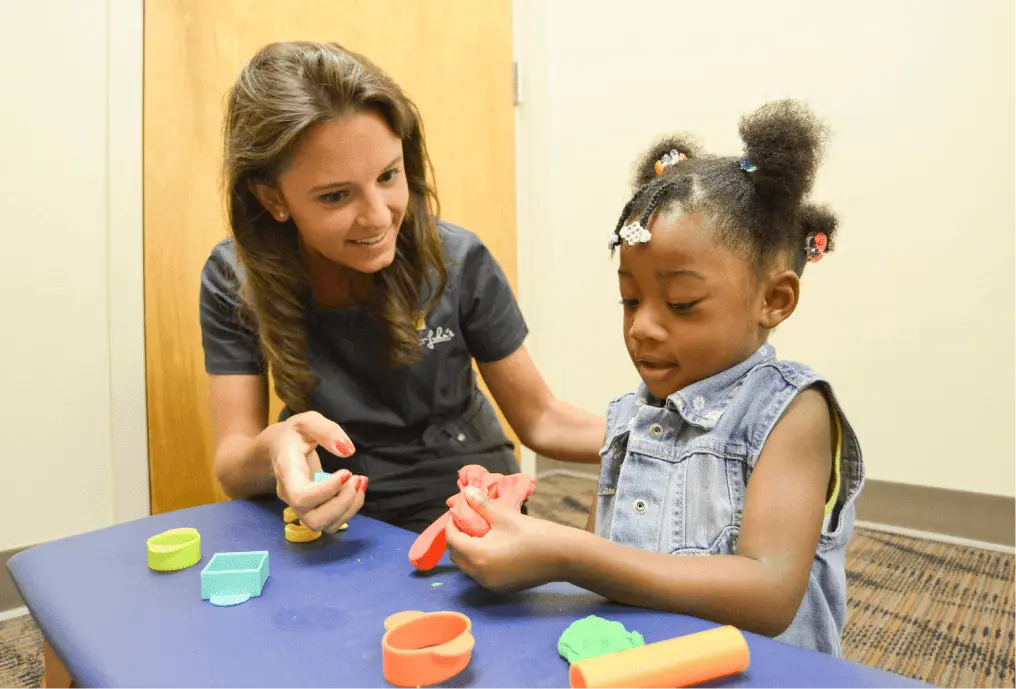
(756, 202)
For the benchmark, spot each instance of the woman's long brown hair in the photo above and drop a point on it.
(283, 91)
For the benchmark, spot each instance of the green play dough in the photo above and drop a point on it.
(594, 636)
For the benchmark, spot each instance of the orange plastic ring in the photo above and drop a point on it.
(298, 533)
(421, 649)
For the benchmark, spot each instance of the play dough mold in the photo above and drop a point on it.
(298, 533)
(229, 576)
(420, 649)
(174, 549)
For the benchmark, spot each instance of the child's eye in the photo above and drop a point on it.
(389, 176)
(681, 308)
(629, 303)
(334, 197)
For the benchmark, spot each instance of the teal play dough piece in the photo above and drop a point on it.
(320, 476)
(229, 597)
(594, 636)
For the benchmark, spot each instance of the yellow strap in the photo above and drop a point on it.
(831, 503)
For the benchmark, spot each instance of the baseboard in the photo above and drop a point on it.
(952, 513)
(955, 513)
(10, 599)
(13, 614)
(941, 538)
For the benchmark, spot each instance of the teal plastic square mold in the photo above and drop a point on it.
(230, 574)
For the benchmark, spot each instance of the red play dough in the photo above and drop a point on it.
(506, 490)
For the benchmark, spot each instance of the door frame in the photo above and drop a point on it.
(125, 22)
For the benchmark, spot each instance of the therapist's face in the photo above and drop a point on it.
(345, 189)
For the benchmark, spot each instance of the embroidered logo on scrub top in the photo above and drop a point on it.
(437, 336)
(432, 336)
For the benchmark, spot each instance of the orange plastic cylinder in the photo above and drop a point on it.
(679, 662)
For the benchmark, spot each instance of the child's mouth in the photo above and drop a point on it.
(655, 369)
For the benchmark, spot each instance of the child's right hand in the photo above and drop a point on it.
(518, 552)
(292, 446)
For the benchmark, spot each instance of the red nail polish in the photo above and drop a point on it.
(344, 476)
(365, 480)
(344, 447)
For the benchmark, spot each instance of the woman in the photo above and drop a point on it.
(368, 310)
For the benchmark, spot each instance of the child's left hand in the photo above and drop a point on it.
(518, 552)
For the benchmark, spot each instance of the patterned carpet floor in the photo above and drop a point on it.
(938, 612)
(20, 653)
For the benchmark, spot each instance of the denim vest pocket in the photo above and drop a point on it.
(611, 459)
(725, 544)
(840, 530)
(705, 497)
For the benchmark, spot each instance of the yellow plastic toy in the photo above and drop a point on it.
(173, 550)
(298, 533)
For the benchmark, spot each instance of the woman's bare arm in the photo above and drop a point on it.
(239, 411)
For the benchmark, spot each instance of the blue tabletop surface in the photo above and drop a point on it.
(318, 622)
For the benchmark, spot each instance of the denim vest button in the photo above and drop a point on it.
(461, 437)
(640, 506)
(656, 430)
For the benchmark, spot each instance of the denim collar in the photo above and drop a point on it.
(703, 403)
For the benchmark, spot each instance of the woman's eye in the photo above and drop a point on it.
(334, 196)
(389, 176)
(681, 308)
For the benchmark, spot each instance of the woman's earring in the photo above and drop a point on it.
(282, 216)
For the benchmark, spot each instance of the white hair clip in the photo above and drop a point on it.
(635, 233)
(668, 159)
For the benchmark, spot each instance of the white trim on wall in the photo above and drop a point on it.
(128, 395)
(522, 223)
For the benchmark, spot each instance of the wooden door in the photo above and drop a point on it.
(453, 58)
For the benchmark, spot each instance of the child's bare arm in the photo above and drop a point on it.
(761, 586)
(591, 519)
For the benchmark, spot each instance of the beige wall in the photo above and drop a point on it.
(913, 317)
(68, 356)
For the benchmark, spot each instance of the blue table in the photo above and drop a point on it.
(318, 622)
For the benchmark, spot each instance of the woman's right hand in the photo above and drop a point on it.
(292, 446)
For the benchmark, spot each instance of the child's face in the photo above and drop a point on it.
(692, 307)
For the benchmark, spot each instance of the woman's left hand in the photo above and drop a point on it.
(518, 552)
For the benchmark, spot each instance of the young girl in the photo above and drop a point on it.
(724, 450)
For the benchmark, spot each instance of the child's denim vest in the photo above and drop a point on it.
(674, 476)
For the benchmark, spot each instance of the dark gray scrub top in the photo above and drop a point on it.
(413, 426)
